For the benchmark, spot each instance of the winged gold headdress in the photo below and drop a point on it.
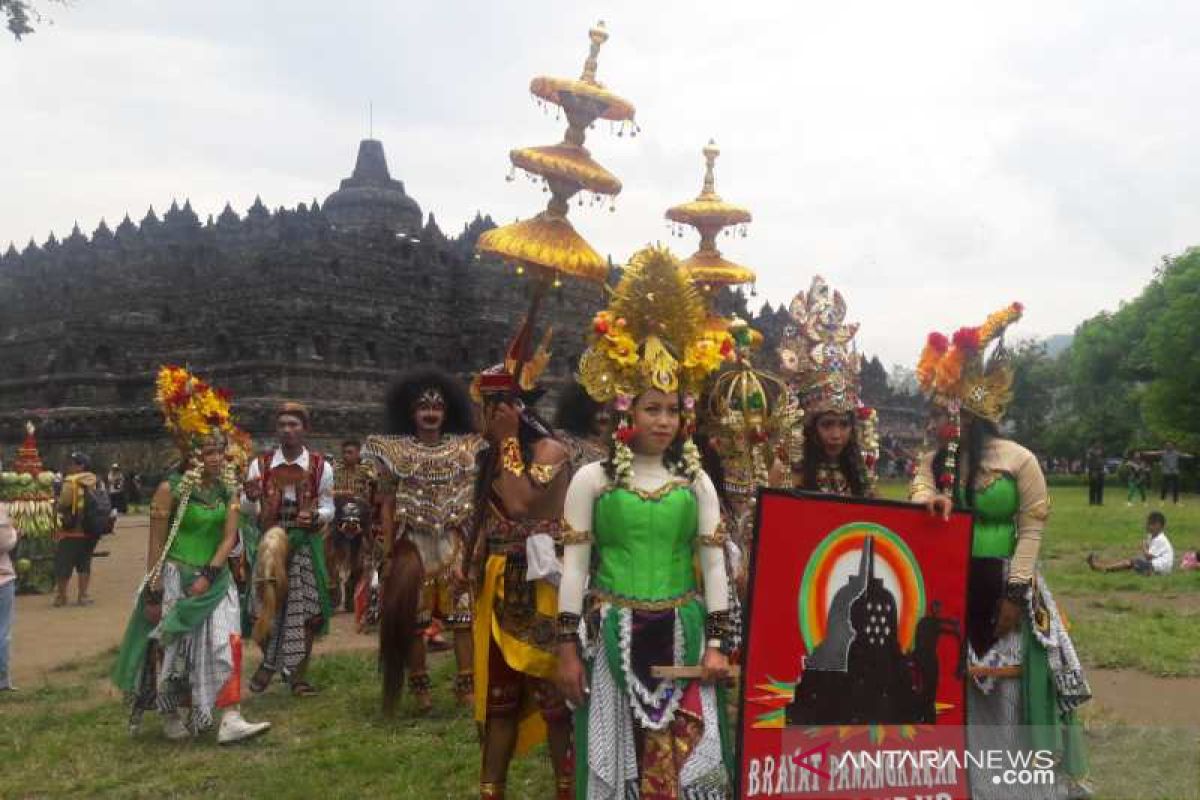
(954, 373)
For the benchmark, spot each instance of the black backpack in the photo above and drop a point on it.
(96, 517)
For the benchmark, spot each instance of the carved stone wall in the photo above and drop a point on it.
(272, 305)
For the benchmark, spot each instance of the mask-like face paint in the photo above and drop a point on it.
(430, 411)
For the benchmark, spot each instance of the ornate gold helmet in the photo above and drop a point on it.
(753, 417)
(955, 374)
(817, 352)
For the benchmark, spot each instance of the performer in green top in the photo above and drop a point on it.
(633, 523)
(1026, 680)
(182, 649)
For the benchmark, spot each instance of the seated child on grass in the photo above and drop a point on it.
(1158, 557)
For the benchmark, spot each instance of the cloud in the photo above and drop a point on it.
(934, 161)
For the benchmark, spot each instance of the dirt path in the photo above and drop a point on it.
(45, 637)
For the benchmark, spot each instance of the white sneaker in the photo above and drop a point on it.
(174, 729)
(234, 728)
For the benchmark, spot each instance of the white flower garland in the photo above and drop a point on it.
(689, 468)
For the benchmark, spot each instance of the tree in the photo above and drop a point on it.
(22, 14)
(1036, 378)
(1172, 400)
(874, 379)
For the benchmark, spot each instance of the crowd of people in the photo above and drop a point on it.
(556, 560)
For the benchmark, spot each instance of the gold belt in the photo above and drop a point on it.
(621, 601)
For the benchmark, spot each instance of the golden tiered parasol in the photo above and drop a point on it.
(709, 214)
(548, 244)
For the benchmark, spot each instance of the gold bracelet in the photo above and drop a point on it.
(544, 474)
(510, 456)
(717, 538)
(572, 536)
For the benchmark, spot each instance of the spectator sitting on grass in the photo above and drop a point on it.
(1157, 557)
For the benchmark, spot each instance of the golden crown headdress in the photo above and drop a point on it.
(954, 373)
(652, 335)
(817, 353)
(753, 416)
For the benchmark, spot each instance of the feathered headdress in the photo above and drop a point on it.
(517, 376)
(193, 411)
(954, 373)
(652, 335)
(817, 352)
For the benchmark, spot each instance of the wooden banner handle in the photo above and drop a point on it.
(686, 673)
(979, 671)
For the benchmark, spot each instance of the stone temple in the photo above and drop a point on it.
(324, 303)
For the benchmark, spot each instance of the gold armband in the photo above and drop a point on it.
(158, 512)
(572, 536)
(544, 474)
(1039, 511)
(510, 456)
(715, 539)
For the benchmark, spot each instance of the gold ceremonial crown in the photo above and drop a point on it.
(754, 417)
(817, 352)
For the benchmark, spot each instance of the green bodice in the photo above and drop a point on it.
(995, 513)
(644, 544)
(202, 528)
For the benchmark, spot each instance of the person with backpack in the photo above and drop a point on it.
(85, 513)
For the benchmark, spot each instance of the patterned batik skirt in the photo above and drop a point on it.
(287, 647)
(1032, 713)
(641, 737)
(200, 669)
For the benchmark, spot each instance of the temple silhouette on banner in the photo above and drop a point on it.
(859, 675)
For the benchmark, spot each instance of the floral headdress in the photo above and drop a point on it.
(954, 373)
(652, 336)
(192, 410)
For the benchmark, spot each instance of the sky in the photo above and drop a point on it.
(933, 161)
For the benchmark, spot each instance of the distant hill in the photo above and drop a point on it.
(1058, 343)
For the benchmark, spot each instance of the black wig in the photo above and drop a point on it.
(576, 411)
(403, 395)
(850, 461)
(976, 433)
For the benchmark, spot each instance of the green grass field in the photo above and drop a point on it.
(68, 738)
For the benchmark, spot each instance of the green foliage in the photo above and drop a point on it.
(1172, 400)
(1131, 377)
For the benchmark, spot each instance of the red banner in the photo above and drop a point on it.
(854, 681)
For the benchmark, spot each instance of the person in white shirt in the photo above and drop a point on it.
(1157, 558)
(292, 489)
